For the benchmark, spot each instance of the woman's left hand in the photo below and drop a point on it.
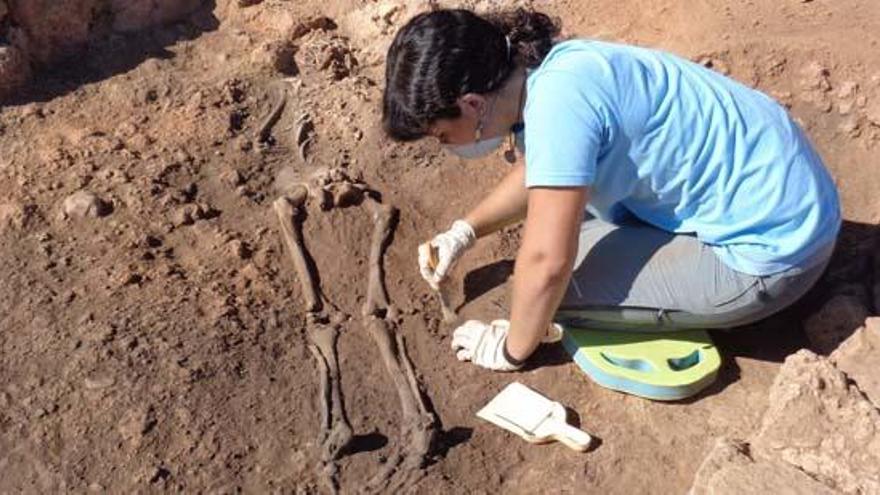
(483, 344)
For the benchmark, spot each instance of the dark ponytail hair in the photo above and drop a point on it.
(440, 55)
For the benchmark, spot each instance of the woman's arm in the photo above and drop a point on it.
(544, 263)
(505, 205)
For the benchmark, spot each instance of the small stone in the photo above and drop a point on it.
(845, 107)
(387, 11)
(243, 191)
(783, 97)
(232, 177)
(136, 424)
(185, 215)
(240, 249)
(847, 89)
(850, 127)
(130, 278)
(816, 77)
(83, 204)
(277, 55)
(99, 383)
(87, 317)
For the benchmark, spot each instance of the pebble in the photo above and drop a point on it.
(816, 77)
(847, 89)
(240, 249)
(82, 204)
(232, 177)
(99, 383)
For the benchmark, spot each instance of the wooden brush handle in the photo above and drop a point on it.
(571, 437)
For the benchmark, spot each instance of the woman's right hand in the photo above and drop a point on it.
(437, 256)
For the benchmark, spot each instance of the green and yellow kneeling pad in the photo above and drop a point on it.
(656, 365)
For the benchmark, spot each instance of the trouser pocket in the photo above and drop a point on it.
(747, 286)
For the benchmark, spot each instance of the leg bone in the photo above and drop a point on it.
(288, 208)
(377, 296)
(336, 431)
(418, 428)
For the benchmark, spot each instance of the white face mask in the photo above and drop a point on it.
(477, 149)
(480, 147)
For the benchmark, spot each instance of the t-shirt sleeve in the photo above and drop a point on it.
(564, 131)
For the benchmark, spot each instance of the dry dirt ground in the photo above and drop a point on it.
(152, 332)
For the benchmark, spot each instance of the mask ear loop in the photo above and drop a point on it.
(510, 152)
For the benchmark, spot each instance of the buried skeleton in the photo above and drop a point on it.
(419, 427)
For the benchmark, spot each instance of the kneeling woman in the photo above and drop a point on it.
(656, 193)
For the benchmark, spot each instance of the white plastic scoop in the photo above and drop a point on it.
(537, 419)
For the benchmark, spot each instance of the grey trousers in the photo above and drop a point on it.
(633, 276)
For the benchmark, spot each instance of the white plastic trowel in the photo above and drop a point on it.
(533, 417)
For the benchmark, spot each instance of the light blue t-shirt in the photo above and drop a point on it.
(682, 148)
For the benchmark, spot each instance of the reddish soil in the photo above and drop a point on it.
(152, 337)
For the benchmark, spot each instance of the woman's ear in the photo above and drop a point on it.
(472, 105)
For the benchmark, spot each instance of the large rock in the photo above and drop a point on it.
(835, 322)
(729, 469)
(822, 424)
(859, 358)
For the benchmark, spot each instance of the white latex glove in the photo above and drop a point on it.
(483, 344)
(448, 246)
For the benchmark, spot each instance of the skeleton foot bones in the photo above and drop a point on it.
(419, 426)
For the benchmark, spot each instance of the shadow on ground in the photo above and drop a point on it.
(114, 54)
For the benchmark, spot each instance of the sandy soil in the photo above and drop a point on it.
(152, 336)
